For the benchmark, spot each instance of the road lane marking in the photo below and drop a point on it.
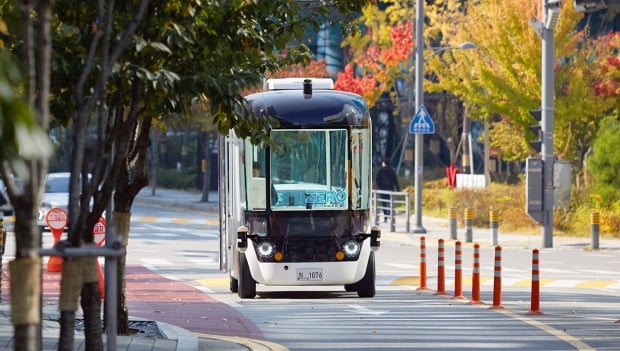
(363, 310)
(181, 220)
(214, 282)
(156, 261)
(147, 219)
(595, 284)
(575, 342)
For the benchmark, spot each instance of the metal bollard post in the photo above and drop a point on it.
(452, 220)
(595, 227)
(374, 199)
(392, 219)
(494, 225)
(469, 222)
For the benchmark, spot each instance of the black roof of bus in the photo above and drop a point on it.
(323, 108)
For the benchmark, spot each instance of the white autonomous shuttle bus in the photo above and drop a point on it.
(298, 213)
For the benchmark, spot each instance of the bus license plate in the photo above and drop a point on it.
(309, 274)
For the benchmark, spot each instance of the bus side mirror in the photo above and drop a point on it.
(242, 238)
(375, 238)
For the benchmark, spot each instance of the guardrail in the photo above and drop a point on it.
(390, 203)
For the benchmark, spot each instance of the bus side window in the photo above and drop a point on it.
(257, 195)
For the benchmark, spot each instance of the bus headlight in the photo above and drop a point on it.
(351, 248)
(265, 249)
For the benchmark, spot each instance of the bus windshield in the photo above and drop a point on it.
(308, 169)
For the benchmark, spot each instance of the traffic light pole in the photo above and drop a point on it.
(547, 110)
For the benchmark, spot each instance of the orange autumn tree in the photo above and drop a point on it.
(380, 56)
(608, 54)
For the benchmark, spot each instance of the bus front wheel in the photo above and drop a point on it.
(366, 286)
(246, 284)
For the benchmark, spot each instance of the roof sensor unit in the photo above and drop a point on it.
(307, 86)
(298, 83)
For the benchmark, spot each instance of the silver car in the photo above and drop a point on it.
(56, 195)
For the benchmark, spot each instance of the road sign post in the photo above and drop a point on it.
(421, 123)
(56, 220)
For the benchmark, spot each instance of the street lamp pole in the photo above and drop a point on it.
(419, 101)
(419, 98)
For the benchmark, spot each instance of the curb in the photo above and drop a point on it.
(252, 344)
(186, 340)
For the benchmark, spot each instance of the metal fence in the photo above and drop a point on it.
(388, 204)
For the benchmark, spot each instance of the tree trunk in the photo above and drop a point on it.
(26, 302)
(122, 222)
(91, 305)
(70, 285)
(154, 160)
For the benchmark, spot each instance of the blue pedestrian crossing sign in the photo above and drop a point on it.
(422, 123)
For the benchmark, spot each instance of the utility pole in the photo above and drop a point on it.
(540, 206)
(419, 101)
(550, 19)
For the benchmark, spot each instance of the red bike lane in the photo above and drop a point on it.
(154, 297)
(151, 296)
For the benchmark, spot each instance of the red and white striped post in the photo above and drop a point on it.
(535, 297)
(475, 280)
(458, 271)
(497, 279)
(422, 264)
(441, 270)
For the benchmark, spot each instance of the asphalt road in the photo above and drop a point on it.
(174, 277)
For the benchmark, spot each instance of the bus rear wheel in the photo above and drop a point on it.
(246, 284)
(366, 286)
(234, 284)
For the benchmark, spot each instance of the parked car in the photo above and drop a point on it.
(56, 195)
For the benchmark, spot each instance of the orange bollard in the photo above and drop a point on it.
(535, 303)
(441, 271)
(56, 219)
(458, 272)
(101, 283)
(99, 238)
(422, 264)
(54, 264)
(497, 280)
(475, 281)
